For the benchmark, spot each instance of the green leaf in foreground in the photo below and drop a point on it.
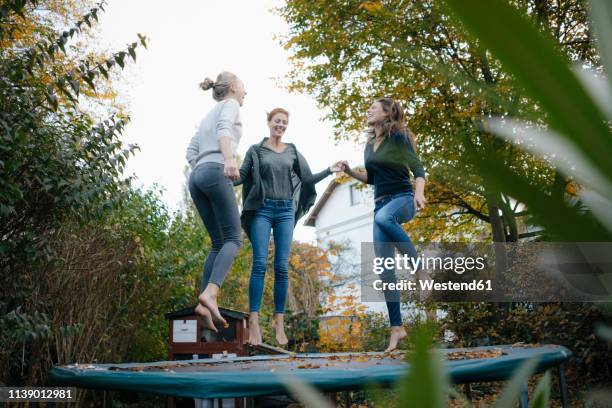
(514, 388)
(541, 397)
(546, 76)
(426, 384)
(306, 394)
(604, 332)
(601, 17)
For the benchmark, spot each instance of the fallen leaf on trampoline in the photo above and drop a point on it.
(308, 366)
(526, 345)
(466, 355)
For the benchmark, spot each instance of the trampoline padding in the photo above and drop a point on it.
(262, 375)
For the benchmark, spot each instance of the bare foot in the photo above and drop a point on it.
(279, 326)
(254, 330)
(397, 334)
(206, 318)
(208, 298)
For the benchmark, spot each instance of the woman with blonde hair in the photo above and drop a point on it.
(389, 158)
(211, 155)
(278, 190)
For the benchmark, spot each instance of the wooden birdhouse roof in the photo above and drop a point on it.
(190, 311)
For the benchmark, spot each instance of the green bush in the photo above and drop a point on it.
(60, 171)
(568, 324)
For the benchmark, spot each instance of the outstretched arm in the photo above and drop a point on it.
(320, 175)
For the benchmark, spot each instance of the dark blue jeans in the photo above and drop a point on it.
(276, 216)
(389, 215)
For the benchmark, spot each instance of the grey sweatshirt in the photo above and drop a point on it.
(222, 121)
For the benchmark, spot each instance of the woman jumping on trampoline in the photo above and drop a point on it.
(211, 157)
(389, 157)
(278, 189)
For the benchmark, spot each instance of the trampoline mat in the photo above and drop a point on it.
(263, 375)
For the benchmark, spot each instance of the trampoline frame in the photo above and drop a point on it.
(328, 380)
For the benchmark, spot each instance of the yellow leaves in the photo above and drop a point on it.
(371, 6)
(343, 178)
(339, 333)
(572, 188)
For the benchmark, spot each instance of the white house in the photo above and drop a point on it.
(344, 214)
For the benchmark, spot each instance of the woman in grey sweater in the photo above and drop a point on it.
(278, 189)
(211, 157)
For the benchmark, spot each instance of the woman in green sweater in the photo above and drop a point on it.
(389, 157)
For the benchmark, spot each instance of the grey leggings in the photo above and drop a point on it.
(213, 195)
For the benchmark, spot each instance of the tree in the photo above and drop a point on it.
(58, 165)
(348, 53)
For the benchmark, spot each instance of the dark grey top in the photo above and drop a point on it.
(253, 194)
(276, 170)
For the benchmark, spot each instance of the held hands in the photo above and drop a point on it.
(419, 195)
(230, 169)
(344, 166)
(336, 167)
(357, 174)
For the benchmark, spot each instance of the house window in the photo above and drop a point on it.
(356, 195)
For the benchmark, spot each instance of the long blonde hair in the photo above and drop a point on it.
(394, 122)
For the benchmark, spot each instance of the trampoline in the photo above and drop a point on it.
(263, 375)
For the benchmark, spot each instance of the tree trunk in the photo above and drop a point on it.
(499, 240)
(558, 189)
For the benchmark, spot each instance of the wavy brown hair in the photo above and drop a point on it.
(395, 121)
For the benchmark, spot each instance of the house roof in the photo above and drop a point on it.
(312, 217)
(190, 311)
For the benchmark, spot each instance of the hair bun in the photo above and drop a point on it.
(207, 84)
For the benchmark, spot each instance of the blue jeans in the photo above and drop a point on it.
(389, 215)
(276, 215)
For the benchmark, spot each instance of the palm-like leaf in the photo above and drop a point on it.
(579, 140)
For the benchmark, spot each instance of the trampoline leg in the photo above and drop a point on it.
(468, 392)
(524, 398)
(563, 386)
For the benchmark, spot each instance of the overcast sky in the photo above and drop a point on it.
(190, 40)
